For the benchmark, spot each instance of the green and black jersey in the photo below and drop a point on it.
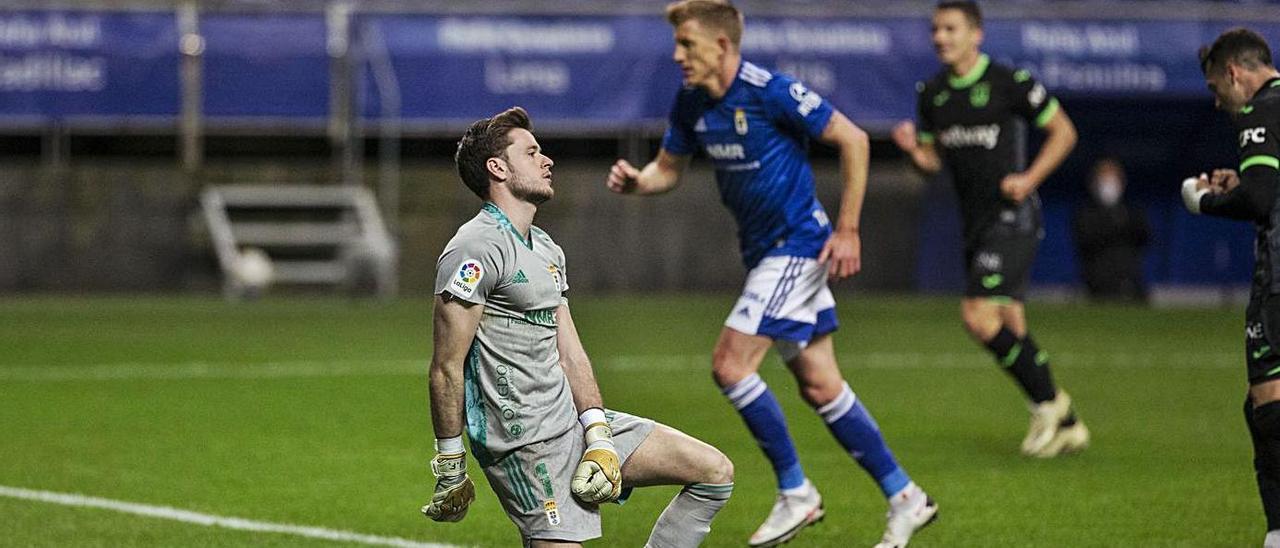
(1255, 200)
(1257, 125)
(972, 121)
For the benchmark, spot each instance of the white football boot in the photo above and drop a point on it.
(789, 515)
(1045, 419)
(1047, 438)
(909, 511)
(1272, 539)
(1069, 439)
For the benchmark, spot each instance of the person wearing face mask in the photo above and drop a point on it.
(1110, 237)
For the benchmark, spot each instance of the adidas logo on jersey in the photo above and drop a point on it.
(701, 126)
(519, 278)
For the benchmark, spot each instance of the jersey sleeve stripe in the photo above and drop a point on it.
(1048, 112)
(1260, 160)
(924, 137)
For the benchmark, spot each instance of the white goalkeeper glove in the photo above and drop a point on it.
(454, 490)
(1191, 195)
(598, 477)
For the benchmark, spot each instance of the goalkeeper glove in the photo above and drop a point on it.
(454, 490)
(598, 477)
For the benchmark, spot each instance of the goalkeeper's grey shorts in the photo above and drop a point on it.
(532, 482)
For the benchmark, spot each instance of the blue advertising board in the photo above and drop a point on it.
(67, 63)
(592, 70)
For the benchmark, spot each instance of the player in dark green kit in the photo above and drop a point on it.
(1244, 81)
(968, 122)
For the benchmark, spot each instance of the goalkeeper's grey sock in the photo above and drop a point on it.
(687, 519)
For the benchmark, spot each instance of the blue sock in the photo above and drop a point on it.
(859, 434)
(760, 410)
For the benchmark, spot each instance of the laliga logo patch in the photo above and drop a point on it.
(469, 276)
(553, 513)
(740, 121)
(806, 100)
(470, 273)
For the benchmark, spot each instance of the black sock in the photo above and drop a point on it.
(1264, 427)
(1027, 364)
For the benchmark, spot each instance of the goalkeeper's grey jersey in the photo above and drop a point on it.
(516, 391)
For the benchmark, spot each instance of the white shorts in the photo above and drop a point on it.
(785, 299)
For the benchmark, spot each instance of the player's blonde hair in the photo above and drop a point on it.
(714, 14)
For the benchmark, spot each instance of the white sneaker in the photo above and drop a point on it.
(789, 515)
(909, 511)
(1272, 539)
(1069, 439)
(1045, 418)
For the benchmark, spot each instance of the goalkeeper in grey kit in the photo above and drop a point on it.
(508, 366)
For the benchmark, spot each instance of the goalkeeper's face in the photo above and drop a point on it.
(530, 169)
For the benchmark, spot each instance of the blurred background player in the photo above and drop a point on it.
(507, 363)
(755, 126)
(970, 110)
(1111, 236)
(1244, 81)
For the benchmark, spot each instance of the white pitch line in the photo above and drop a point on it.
(209, 520)
(201, 370)
(656, 362)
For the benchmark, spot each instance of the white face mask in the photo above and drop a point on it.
(1107, 190)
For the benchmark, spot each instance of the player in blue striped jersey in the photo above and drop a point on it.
(755, 126)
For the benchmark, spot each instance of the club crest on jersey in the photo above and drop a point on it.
(468, 277)
(740, 121)
(555, 275)
(980, 95)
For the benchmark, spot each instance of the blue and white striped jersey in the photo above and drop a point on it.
(758, 135)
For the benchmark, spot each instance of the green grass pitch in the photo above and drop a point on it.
(314, 412)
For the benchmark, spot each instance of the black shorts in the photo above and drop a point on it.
(998, 263)
(1261, 327)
